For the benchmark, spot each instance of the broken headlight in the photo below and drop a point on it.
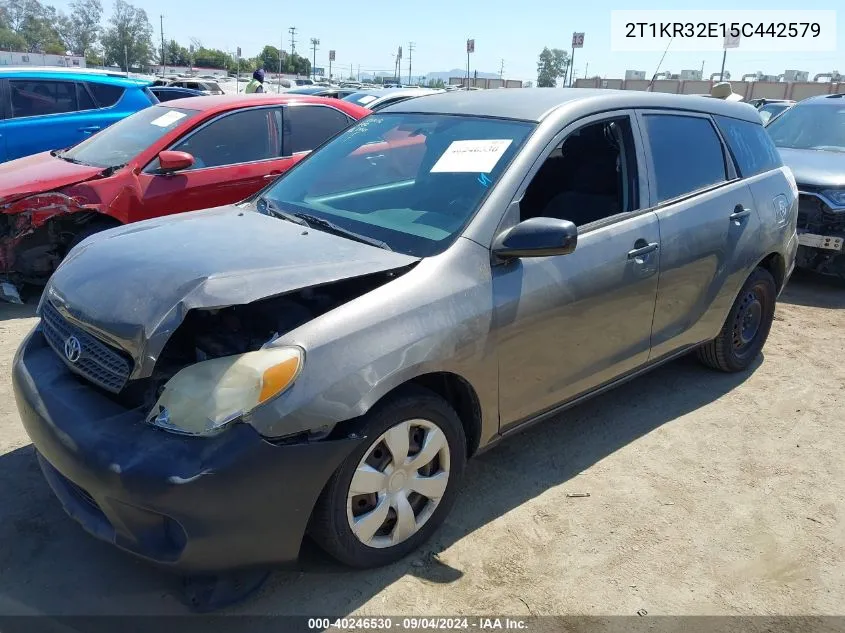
(202, 399)
(836, 196)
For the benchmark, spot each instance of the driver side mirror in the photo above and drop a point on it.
(170, 162)
(537, 237)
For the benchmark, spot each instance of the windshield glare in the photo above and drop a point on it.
(121, 142)
(810, 126)
(412, 181)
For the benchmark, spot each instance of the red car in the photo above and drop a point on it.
(184, 155)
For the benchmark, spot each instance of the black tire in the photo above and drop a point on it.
(329, 526)
(734, 349)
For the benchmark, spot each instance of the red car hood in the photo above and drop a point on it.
(38, 174)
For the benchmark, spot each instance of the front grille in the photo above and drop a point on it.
(100, 363)
(815, 215)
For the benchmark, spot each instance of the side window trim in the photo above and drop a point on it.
(82, 85)
(148, 168)
(639, 157)
(731, 175)
(11, 112)
(5, 100)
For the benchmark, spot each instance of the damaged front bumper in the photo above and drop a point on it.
(821, 235)
(191, 504)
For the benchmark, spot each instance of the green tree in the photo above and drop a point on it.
(551, 66)
(269, 58)
(209, 58)
(129, 37)
(80, 30)
(33, 22)
(176, 55)
(11, 41)
(298, 65)
(436, 83)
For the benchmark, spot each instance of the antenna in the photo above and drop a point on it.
(659, 64)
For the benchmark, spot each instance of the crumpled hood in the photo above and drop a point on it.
(133, 285)
(40, 173)
(815, 168)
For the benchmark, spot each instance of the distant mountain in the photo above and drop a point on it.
(457, 72)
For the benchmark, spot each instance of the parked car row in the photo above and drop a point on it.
(324, 355)
(180, 156)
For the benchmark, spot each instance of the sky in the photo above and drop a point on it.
(505, 31)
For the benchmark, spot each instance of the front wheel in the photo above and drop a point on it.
(747, 327)
(395, 490)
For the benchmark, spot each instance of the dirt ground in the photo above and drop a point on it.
(709, 494)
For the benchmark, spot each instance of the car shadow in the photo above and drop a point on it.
(48, 565)
(813, 290)
(12, 311)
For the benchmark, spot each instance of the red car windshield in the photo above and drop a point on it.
(123, 141)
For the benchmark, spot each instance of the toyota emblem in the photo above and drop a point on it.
(73, 349)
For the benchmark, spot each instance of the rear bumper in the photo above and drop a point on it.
(186, 503)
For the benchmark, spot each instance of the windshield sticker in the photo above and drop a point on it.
(168, 119)
(366, 99)
(471, 156)
(484, 181)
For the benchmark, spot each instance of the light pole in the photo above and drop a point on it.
(314, 43)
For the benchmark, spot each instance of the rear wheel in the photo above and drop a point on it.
(747, 327)
(394, 491)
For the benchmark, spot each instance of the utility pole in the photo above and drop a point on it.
(410, 57)
(586, 69)
(359, 72)
(314, 43)
(292, 31)
(126, 58)
(502, 69)
(163, 59)
(281, 49)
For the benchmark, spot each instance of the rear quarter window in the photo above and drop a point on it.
(686, 154)
(751, 147)
(106, 95)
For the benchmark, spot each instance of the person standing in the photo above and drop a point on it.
(257, 83)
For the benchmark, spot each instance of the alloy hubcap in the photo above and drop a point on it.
(398, 483)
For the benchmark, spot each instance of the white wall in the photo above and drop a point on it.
(40, 59)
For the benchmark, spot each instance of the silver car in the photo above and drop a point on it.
(203, 389)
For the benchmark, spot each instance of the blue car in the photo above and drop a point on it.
(43, 110)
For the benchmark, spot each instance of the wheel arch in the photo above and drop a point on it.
(456, 390)
(775, 264)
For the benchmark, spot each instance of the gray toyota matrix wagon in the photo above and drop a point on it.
(205, 389)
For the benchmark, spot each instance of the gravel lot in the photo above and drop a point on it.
(710, 494)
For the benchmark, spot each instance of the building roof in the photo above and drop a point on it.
(535, 104)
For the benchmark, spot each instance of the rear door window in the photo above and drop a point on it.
(309, 126)
(39, 98)
(106, 95)
(686, 154)
(751, 146)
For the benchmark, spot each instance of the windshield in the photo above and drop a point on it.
(411, 181)
(361, 98)
(121, 142)
(811, 126)
(772, 109)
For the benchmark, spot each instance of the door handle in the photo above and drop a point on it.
(89, 130)
(740, 212)
(642, 250)
(272, 175)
